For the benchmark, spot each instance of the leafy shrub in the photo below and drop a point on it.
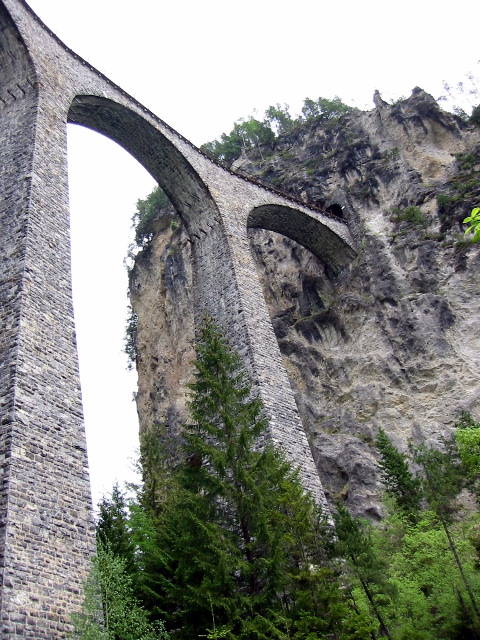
(466, 161)
(111, 610)
(324, 109)
(145, 215)
(280, 118)
(131, 332)
(412, 214)
(474, 221)
(445, 201)
(244, 135)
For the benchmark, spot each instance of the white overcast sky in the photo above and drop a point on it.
(201, 65)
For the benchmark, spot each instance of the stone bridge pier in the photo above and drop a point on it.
(46, 532)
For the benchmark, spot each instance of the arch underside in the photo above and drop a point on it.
(307, 230)
(147, 144)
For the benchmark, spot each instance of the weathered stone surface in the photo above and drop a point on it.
(390, 342)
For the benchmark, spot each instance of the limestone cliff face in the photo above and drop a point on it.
(394, 341)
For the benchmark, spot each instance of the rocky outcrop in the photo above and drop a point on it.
(393, 341)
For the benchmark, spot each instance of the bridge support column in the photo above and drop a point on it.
(46, 533)
(226, 284)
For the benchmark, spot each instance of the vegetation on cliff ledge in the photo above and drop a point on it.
(251, 132)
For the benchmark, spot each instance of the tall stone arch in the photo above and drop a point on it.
(46, 534)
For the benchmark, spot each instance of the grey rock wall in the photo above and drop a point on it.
(390, 342)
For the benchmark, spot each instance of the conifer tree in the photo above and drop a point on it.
(397, 477)
(242, 547)
(111, 611)
(112, 527)
(354, 544)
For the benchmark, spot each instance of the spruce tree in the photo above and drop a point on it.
(242, 546)
(112, 527)
(111, 610)
(397, 477)
(353, 543)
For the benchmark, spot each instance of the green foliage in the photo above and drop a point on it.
(366, 568)
(311, 166)
(445, 201)
(159, 454)
(467, 438)
(323, 109)
(473, 220)
(226, 150)
(432, 555)
(233, 530)
(463, 192)
(223, 542)
(442, 478)
(110, 610)
(131, 333)
(466, 161)
(412, 214)
(145, 215)
(112, 528)
(277, 120)
(397, 477)
(463, 186)
(244, 135)
(430, 600)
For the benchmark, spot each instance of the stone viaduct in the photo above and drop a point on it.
(46, 533)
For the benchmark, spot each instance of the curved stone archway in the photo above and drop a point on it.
(307, 229)
(151, 148)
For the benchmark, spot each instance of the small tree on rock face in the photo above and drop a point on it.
(397, 477)
(279, 117)
(323, 109)
(146, 212)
